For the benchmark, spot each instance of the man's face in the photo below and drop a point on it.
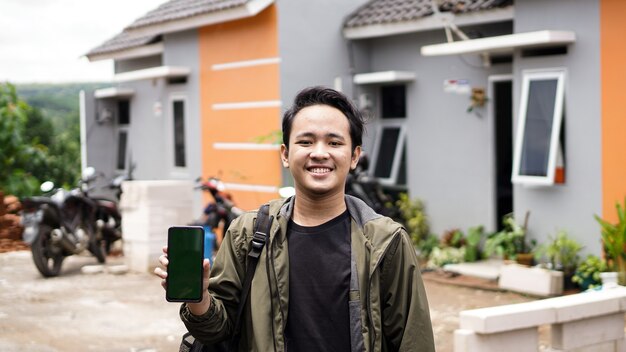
(320, 151)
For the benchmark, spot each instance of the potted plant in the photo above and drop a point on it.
(560, 253)
(472, 242)
(445, 255)
(414, 216)
(614, 241)
(587, 274)
(426, 246)
(510, 242)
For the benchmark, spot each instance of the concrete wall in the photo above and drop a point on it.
(138, 63)
(181, 49)
(312, 48)
(569, 206)
(101, 138)
(449, 151)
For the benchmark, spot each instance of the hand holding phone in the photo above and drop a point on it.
(185, 271)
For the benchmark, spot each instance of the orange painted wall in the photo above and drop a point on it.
(247, 39)
(613, 71)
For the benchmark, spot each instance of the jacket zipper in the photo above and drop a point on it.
(369, 292)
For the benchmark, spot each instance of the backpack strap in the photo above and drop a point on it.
(262, 228)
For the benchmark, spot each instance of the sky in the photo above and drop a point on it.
(44, 41)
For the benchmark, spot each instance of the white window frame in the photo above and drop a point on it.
(174, 98)
(527, 76)
(397, 160)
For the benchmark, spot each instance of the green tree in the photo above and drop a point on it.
(64, 156)
(56, 108)
(17, 155)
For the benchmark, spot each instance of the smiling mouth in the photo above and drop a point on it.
(320, 170)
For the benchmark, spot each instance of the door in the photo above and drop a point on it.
(503, 141)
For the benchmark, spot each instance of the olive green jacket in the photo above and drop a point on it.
(387, 300)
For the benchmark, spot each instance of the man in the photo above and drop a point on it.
(334, 276)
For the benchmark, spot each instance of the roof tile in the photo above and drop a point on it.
(179, 9)
(122, 41)
(392, 11)
(169, 11)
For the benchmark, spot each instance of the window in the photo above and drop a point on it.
(122, 139)
(390, 146)
(538, 139)
(178, 108)
(393, 101)
(123, 112)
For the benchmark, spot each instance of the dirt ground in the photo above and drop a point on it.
(128, 312)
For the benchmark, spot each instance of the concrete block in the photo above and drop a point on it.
(586, 304)
(149, 208)
(507, 317)
(535, 281)
(603, 347)
(142, 256)
(484, 269)
(162, 192)
(620, 345)
(524, 340)
(588, 332)
(92, 269)
(117, 269)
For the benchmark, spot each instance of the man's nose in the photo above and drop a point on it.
(319, 151)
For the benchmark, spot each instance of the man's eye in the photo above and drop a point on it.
(335, 144)
(303, 142)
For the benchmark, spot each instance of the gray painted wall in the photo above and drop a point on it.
(570, 206)
(312, 48)
(138, 63)
(181, 49)
(450, 152)
(101, 140)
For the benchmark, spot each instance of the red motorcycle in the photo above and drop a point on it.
(217, 215)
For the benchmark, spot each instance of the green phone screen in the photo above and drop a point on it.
(184, 271)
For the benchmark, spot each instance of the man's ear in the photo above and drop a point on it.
(284, 155)
(356, 154)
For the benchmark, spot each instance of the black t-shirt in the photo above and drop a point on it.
(319, 283)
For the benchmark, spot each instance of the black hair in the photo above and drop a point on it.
(325, 96)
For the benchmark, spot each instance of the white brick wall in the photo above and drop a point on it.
(149, 208)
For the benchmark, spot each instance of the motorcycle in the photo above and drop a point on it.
(63, 223)
(108, 215)
(367, 188)
(217, 214)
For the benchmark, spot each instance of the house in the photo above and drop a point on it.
(546, 139)
(478, 107)
(197, 90)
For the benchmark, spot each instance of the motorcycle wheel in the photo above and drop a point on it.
(48, 259)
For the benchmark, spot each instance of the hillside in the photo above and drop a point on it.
(57, 102)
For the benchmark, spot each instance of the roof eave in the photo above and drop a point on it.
(429, 23)
(152, 73)
(502, 43)
(129, 53)
(250, 9)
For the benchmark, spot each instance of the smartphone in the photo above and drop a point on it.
(185, 252)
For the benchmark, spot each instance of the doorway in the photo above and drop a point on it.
(502, 93)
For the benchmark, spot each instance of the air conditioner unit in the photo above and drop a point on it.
(105, 115)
